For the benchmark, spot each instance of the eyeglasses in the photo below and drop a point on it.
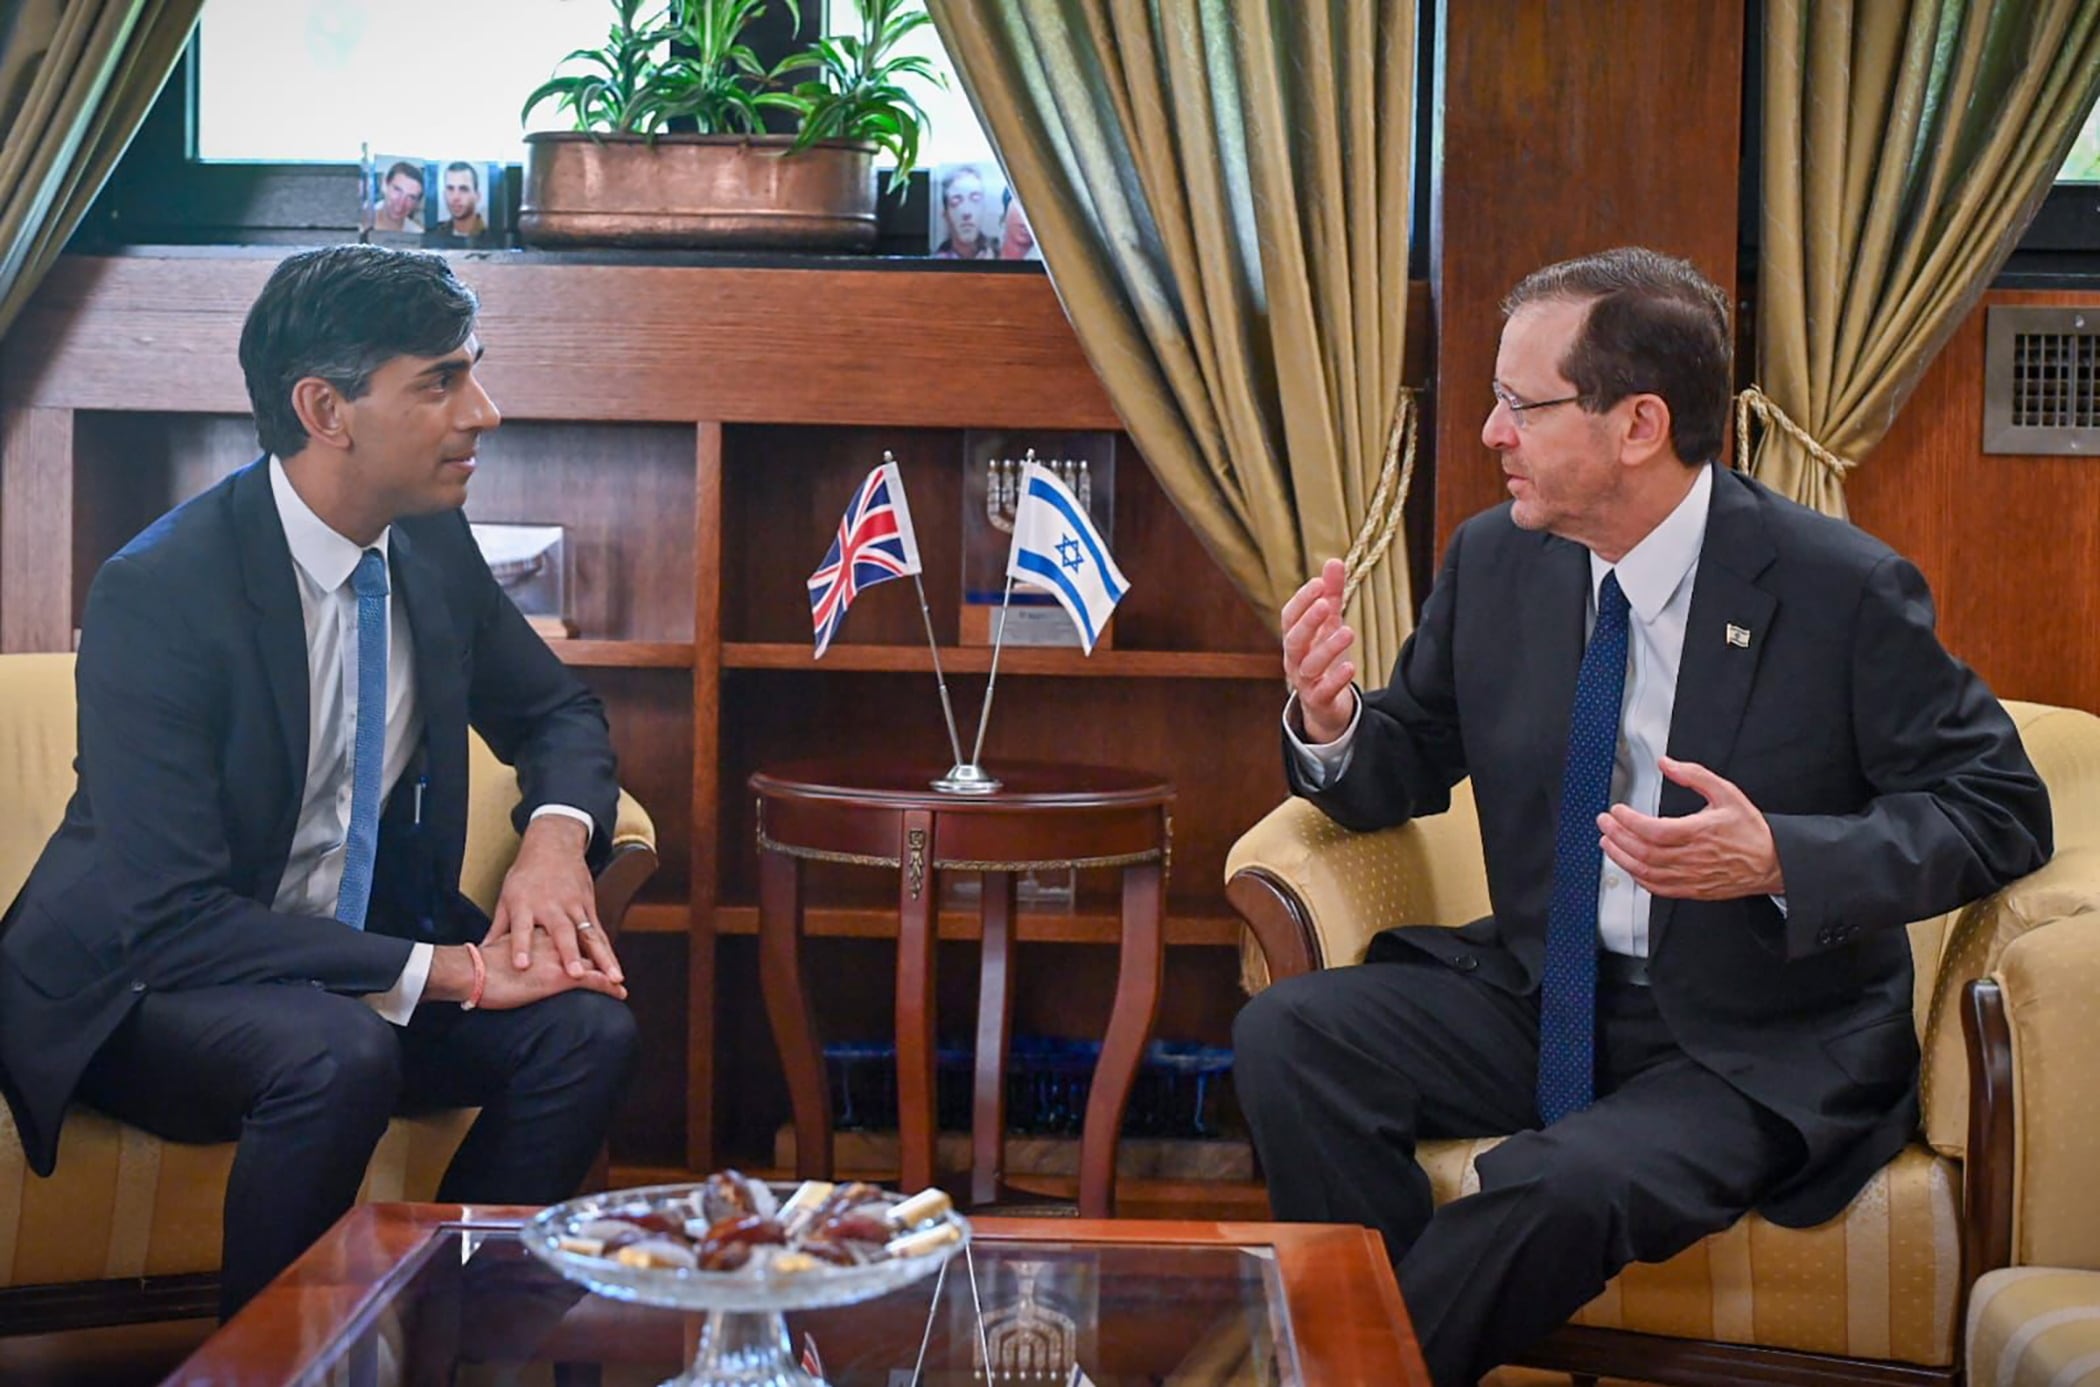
(1520, 409)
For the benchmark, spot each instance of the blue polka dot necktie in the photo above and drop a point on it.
(361, 847)
(1568, 991)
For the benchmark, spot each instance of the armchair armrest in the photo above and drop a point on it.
(2049, 980)
(633, 862)
(1313, 893)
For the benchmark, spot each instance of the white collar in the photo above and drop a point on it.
(1650, 572)
(327, 557)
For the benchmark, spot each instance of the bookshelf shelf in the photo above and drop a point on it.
(1031, 926)
(599, 654)
(1103, 664)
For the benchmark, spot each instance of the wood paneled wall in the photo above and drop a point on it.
(1568, 128)
(2010, 544)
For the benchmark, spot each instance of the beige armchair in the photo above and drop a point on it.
(2036, 1323)
(127, 1227)
(2005, 1168)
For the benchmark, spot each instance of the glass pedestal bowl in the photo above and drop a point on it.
(745, 1342)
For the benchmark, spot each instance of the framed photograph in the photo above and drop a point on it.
(965, 209)
(1016, 236)
(992, 464)
(395, 198)
(531, 564)
(468, 206)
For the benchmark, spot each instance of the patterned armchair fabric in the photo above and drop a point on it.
(1885, 1280)
(123, 1204)
(2037, 1323)
(2035, 1327)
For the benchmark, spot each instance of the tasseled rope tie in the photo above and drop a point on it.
(1388, 499)
(1754, 401)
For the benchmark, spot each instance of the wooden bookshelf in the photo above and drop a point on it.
(698, 431)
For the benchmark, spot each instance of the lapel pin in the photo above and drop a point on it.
(1739, 636)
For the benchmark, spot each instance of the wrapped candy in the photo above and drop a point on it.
(733, 1223)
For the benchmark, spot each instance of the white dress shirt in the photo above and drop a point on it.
(323, 562)
(1657, 575)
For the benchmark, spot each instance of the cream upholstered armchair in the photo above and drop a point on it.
(127, 1227)
(2037, 1322)
(2005, 1168)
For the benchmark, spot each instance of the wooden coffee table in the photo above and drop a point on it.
(404, 1291)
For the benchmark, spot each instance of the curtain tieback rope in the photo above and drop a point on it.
(1388, 499)
(1754, 401)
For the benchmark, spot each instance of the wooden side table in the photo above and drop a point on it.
(884, 814)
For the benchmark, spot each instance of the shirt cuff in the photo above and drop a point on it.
(1324, 764)
(569, 811)
(1780, 901)
(398, 1002)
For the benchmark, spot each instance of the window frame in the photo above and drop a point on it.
(162, 193)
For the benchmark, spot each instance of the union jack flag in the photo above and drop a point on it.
(875, 543)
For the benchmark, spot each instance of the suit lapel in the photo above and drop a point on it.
(1724, 641)
(280, 628)
(438, 692)
(1554, 615)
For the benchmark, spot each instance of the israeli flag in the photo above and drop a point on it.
(1057, 548)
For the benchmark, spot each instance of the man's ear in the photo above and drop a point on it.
(1647, 428)
(322, 411)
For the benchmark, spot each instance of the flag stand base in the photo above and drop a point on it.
(967, 779)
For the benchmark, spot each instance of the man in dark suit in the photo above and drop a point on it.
(1720, 759)
(249, 924)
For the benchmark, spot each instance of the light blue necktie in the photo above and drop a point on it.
(361, 848)
(1568, 990)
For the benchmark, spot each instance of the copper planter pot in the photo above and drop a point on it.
(697, 190)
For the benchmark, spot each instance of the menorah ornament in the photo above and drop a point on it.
(1031, 1344)
(1002, 485)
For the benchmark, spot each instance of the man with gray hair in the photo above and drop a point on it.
(1720, 759)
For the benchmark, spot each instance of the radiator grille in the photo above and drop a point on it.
(2056, 380)
(2041, 380)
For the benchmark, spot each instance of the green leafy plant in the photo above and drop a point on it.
(851, 90)
(714, 77)
(607, 93)
(689, 60)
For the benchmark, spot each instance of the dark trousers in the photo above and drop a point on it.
(306, 1080)
(1341, 1072)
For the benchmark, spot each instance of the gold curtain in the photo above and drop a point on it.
(1907, 144)
(76, 79)
(1220, 191)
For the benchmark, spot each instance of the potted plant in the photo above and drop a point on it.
(622, 177)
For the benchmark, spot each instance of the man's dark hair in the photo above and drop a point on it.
(1655, 326)
(340, 313)
(414, 171)
(462, 166)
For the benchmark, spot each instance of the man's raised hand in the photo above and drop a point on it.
(1315, 641)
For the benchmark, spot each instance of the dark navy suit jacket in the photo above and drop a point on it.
(1895, 785)
(193, 700)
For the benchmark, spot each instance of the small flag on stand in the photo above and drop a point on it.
(875, 543)
(1057, 547)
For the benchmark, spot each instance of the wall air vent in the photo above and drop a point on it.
(2041, 381)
